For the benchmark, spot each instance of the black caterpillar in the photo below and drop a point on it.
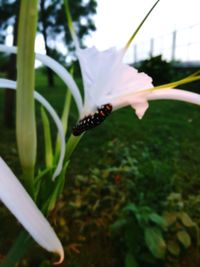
(91, 121)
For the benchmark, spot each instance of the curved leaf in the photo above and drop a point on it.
(184, 238)
(173, 248)
(155, 242)
(185, 219)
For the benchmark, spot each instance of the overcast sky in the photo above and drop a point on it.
(117, 19)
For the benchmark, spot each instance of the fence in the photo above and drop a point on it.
(180, 45)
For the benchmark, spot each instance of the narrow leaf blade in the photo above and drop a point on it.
(140, 25)
(47, 139)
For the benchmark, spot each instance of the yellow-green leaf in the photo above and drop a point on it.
(155, 242)
(184, 238)
(173, 248)
(140, 25)
(185, 219)
(170, 217)
(47, 139)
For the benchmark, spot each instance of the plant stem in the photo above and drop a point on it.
(25, 108)
(71, 145)
(64, 119)
(20, 247)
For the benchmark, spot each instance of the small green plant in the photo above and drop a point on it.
(150, 238)
(182, 231)
(143, 230)
(125, 174)
(96, 200)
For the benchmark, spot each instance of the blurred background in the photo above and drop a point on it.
(132, 195)
(172, 29)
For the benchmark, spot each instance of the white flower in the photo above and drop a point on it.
(108, 80)
(17, 200)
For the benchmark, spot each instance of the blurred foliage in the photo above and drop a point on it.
(159, 69)
(183, 232)
(142, 230)
(124, 174)
(3, 63)
(128, 205)
(154, 239)
(52, 19)
(146, 164)
(52, 25)
(150, 224)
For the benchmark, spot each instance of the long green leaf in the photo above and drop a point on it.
(64, 119)
(47, 139)
(25, 108)
(18, 250)
(70, 24)
(65, 115)
(71, 145)
(59, 185)
(140, 25)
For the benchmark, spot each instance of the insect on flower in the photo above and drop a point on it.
(91, 121)
(107, 79)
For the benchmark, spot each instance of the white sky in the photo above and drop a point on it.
(117, 19)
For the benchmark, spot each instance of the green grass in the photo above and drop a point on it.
(168, 128)
(169, 131)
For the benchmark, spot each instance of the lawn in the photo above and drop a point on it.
(166, 124)
(165, 144)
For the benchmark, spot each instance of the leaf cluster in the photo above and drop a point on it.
(159, 69)
(52, 22)
(129, 192)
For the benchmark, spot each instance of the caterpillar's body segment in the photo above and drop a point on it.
(91, 121)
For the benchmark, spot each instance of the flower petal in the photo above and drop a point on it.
(97, 69)
(129, 80)
(17, 200)
(106, 77)
(57, 68)
(140, 105)
(137, 101)
(175, 94)
(4, 83)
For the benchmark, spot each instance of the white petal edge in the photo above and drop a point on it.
(58, 69)
(139, 100)
(175, 94)
(17, 200)
(5, 83)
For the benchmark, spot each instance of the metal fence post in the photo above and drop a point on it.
(135, 53)
(173, 56)
(151, 47)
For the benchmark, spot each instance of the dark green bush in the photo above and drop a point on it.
(159, 69)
